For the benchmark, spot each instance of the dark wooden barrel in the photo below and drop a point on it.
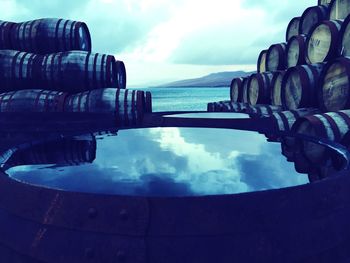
(259, 88)
(261, 64)
(337, 161)
(211, 107)
(245, 90)
(127, 105)
(5, 34)
(344, 38)
(258, 111)
(334, 91)
(339, 9)
(323, 42)
(32, 101)
(292, 28)
(332, 126)
(77, 71)
(236, 89)
(276, 84)
(311, 17)
(296, 48)
(300, 86)
(19, 70)
(276, 57)
(68, 151)
(50, 35)
(72, 71)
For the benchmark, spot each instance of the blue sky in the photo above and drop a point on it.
(163, 40)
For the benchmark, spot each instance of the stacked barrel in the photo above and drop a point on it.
(46, 65)
(306, 80)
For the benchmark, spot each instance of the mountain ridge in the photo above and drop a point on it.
(218, 79)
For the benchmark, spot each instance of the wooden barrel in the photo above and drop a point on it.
(261, 64)
(258, 111)
(339, 9)
(324, 2)
(323, 42)
(293, 28)
(77, 71)
(50, 35)
(334, 91)
(344, 37)
(311, 17)
(236, 89)
(32, 101)
(276, 84)
(332, 126)
(259, 88)
(19, 70)
(67, 151)
(245, 90)
(284, 120)
(71, 71)
(299, 86)
(127, 105)
(276, 57)
(296, 50)
(5, 34)
(211, 107)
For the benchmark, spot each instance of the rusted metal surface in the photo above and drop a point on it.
(298, 224)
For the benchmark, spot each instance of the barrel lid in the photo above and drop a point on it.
(293, 28)
(296, 50)
(334, 78)
(261, 63)
(339, 9)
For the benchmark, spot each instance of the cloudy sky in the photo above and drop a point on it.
(166, 40)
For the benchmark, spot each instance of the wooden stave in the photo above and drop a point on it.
(259, 62)
(331, 6)
(50, 36)
(322, 12)
(309, 77)
(37, 101)
(127, 105)
(233, 92)
(282, 63)
(264, 80)
(334, 132)
(275, 77)
(344, 61)
(5, 30)
(302, 40)
(290, 24)
(334, 27)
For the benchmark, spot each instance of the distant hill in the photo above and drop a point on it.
(220, 79)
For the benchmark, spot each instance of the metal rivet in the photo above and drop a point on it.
(121, 257)
(89, 253)
(123, 214)
(92, 212)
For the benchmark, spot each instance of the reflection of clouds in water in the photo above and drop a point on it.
(173, 161)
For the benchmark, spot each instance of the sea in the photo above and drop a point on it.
(186, 99)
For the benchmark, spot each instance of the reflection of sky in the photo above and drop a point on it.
(173, 162)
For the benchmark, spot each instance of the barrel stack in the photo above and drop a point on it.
(307, 81)
(47, 65)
